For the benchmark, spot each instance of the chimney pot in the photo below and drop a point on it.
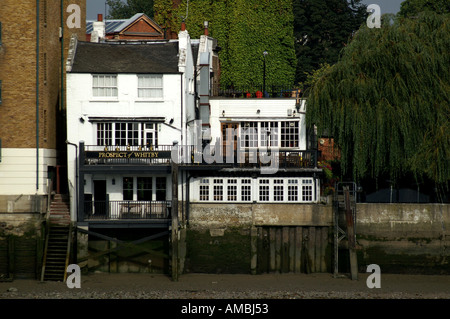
(100, 17)
(183, 26)
(205, 24)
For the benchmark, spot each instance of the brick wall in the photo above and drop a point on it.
(18, 70)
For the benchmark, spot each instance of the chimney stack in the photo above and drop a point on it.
(98, 29)
(206, 24)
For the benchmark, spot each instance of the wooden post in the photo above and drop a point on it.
(285, 250)
(272, 263)
(11, 256)
(254, 248)
(312, 248)
(351, 236)
(174, 221)
(298, 249)
(291, 249)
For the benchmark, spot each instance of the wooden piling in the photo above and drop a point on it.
(294, 249)
(272, 264)
(291, 244)
(298, 249)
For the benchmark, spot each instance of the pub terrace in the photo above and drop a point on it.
(162, 155)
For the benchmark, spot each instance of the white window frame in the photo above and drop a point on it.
(264, 190)
(204, 191)
(105, 133)
(114, 87)
(289, 134)
(269, 134)
(218, 190)
(293, 194)
(245, 189)
(287, 190)
(278, 190)
(158, 89)
(307, 190)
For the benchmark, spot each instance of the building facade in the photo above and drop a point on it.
(127, 104)
(34, 36)
(152, 138)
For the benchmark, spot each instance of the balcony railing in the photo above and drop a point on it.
(257, 91)
(120, 210)
(162, 155)
(127, 155)
(256, 158)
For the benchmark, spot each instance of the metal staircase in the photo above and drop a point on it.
(58, 240)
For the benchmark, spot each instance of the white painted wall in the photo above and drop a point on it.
(246, 110)
(186, 65)
(82, 104)
(18, 171)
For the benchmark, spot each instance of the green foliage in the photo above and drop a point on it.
(244, 29)
(322, 28)
(386, 101)
(409, 8)
(312, 78)
(120, 10)
(163, 15)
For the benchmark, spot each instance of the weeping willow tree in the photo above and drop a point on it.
(386, 101)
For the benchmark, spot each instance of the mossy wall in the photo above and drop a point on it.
(218, 250)
(404, 238)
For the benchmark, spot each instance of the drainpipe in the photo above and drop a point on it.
(76, 174)
(37, 94)
(188, 195)
(62, 57)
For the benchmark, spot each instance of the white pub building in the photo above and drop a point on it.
(129, 103)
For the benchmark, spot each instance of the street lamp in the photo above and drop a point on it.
(265, 53)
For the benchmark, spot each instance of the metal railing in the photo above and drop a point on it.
(117, 210)
(256, 91)
(257, 158)
(162, 155)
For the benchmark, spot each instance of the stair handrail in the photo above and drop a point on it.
(47, 226)
(69, 243)
(49, 199)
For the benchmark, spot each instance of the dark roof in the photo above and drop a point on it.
(157, 57)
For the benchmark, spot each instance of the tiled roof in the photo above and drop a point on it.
(111, 25)
(116, 25)
(157, 57)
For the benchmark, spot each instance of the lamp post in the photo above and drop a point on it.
(265, 53)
